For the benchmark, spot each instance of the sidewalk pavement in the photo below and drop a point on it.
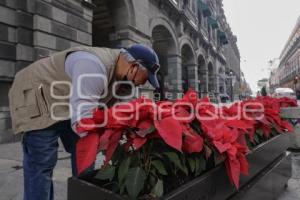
(11, 175)
(11, 172)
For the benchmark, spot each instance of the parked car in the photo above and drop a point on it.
(285, 92)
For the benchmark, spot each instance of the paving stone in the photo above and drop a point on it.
(6, 136)
(11, 185)
(11, 151)
(292, 191)
(11, 179)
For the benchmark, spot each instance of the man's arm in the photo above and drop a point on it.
(87, 73)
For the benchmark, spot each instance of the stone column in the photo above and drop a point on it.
(193, 76)
(217, 86)
(212, 81)
(224, 85)
(174, 72)
(203, 78)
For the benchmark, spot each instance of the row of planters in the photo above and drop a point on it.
(187, 149)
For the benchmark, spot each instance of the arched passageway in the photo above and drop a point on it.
(164, 45)
(188, 68)
(202, 76)
(109, 17)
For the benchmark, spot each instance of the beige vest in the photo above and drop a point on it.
(34, 100)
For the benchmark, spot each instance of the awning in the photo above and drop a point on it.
(203, 7)
(223, 38)
(221, 34)
(213, 22)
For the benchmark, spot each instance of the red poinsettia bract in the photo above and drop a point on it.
(141, 120)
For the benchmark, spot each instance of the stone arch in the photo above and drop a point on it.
(189, 73)
(185, 40)
(165, 46)
(161, 21)
(109, 17)
(131, 12)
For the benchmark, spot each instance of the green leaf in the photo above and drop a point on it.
(200, 165)
(135, 181)
(106, 173)
(196, 126)
(260, 132)
(122, 189)
(256, 139)
(197, 166)
(192, 164)
(118, 155)
(160, 167)
(274, 132)
(173, 157)
(158, 189)
(152, 179)
(123, 169)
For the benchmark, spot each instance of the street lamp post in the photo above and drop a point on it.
(231, 85)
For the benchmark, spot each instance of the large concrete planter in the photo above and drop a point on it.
(266, 160)
(293, 114)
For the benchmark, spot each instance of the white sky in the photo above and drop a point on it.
(262, 28)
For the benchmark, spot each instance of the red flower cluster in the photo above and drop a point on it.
(142, 120)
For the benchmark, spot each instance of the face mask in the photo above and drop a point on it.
(125, 87)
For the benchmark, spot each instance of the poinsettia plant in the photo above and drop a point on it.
(151, 147)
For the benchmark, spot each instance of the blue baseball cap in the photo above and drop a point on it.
(148, 58)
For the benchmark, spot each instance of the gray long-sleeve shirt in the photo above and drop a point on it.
(87, 73)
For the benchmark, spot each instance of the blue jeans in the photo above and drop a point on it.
(40, 157)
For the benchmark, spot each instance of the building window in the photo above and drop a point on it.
(200, 19)
(185, 3)
(193, 4)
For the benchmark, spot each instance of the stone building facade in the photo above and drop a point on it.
(288, 72)
(194, 42)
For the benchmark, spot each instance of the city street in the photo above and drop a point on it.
(63, 62)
